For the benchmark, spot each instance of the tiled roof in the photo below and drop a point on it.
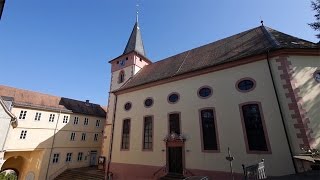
(246, 44)
(32, 99)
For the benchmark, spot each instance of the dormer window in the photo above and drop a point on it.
(121, 77)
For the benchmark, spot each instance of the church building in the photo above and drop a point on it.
(256, 93)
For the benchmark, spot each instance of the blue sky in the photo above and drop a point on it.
(63, 47)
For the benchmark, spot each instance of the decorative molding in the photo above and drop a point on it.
(173, 137)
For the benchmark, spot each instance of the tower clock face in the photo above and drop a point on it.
(122, 62)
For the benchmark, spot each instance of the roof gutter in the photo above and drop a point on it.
(281, 112)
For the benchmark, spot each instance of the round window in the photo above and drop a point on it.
(205, 92)
(317, 76)
(127, 106)
(173, 98)
(245, 85)
(148, 102)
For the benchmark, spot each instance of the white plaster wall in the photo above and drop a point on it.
(225, 100)
(4, 126)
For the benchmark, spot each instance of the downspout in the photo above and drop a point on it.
(111, 138)
(13, 118)
(281, 113)
(54, 137)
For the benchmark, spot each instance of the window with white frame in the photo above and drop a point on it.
(51, 117)
(55, 158)
(73, 136)
(69, 157)
(86, 121)
(65, 119)
(98, 123)
(23, 114)
(37, 117)
(96, 137)
(76, 120)
(80, 154)
(83, 137)
(23, 134)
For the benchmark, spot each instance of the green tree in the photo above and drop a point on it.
(2, 176)
(316, 25)
(8, 176)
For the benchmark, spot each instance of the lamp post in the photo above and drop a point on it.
(230, 159)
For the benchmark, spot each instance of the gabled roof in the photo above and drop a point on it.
(135, 41)
(249, 43)
(25, 98)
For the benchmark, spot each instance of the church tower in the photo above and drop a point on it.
(124, 67)
(130, 62)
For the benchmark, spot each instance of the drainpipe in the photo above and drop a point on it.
(111, 140)
(281, 113)
(54, 137)
(12, 119)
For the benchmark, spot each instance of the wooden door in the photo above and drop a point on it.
(175, 160)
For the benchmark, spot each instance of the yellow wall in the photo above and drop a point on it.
(225, 100)
(35, 149)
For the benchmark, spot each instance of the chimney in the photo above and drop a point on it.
(87, 103)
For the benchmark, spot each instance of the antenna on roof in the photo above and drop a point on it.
(137, 11)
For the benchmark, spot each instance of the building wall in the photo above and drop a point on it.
(300, 98)
(4, 126)
(226, 100)
(40, 142)
(308, 90)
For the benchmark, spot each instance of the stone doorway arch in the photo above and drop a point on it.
(14, 163)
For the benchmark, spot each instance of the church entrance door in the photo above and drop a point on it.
(175, 160)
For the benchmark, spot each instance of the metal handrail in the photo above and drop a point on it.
(58, 172)
(163, 167)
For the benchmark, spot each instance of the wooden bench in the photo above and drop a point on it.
(256, 171)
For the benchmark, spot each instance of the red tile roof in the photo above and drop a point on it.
(32, 99)
(249, 43)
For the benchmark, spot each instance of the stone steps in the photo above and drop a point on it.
(87, 173)
(172, 177)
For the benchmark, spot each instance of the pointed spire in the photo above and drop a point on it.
(135, 41)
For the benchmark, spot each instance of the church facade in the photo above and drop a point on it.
(255, 93)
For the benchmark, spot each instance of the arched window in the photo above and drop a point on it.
(121, 77)
(254, 127)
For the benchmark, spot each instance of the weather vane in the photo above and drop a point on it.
(261, 21)
(137, 11)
